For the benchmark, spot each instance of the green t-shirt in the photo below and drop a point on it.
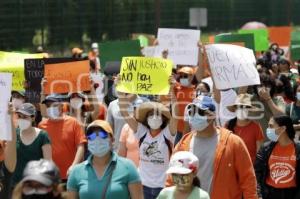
(26, 153)
(197, 193)
(84, 180)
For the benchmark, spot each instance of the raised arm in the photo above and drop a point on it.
(200, 69)
(10, 150)
(92, 97)
(43, 108)
(265, 95)
(129, 119)
(174, 107)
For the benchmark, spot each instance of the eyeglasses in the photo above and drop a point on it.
(92, 136)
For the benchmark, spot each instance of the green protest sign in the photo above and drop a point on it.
(115, 50)
(247, 39)
(295, 51)
(295, 36)
(261, 41)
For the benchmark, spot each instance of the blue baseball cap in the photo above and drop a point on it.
(204, 103)
(55, 98)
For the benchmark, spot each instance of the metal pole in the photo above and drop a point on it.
(157, 13)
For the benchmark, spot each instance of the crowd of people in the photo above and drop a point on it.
(195, 142)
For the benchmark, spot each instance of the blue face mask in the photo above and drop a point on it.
(198, 122)
(272, 135)
(99, 146)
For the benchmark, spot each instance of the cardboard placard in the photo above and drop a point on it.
(142, 75)
(246, 39)
(5, 118)
(232, 66)
(280, 35)
(261, 38)
(67, 77)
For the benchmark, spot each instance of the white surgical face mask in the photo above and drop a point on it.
(23, 124)
(298, 96)
(184, 81)
(154, 121)
(76, 103)
(16, 102)
(198, 122)
(272, 135)
(53, 112)
(242, 114)
(99, 147)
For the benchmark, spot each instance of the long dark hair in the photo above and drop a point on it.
(284, 120)
(196, 182)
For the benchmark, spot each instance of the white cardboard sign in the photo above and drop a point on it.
(232, 66)
(5, 118)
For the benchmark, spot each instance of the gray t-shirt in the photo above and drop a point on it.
(204, 149)
(115, 119)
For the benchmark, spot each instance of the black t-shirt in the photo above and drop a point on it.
(5, 181)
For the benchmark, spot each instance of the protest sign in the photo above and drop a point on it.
(261, 41)
(14, 63)
(280, 35)
(115, 50)
(5, 118)
(98, 79)
(34, 72)
(181, 45)
(142, 75)
(67, 77)
(247, 39)
(232, 66)
(295, 36)
(295, 52)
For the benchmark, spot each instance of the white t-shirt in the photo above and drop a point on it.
(154, 156)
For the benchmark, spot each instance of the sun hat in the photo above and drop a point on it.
(27, 109)
(183, 162)
(242, 100)
(145, 108)
(42, 171)
(101, 124)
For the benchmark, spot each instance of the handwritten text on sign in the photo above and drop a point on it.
(67, 77)
(232, 66)
(5, 118)
(142, 75)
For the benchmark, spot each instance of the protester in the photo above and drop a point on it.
(66, 134)
(183, 168)
(129, 145)
(155, 129)
(277, 164)
(94, 56)
(18, 98)
(104, 174)
(40, 181)
(114, 117)
(203, 89)
(32, 143)
(222, 154)
(247, 129)
(8, 160)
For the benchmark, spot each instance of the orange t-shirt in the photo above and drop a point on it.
(250, 134)
(132, 144)
(282, 166)
(184, 96)
(65, 136)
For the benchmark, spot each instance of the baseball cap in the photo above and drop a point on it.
(27, 109)
(183, 162)
(22, 93)
(54, 98)
(94, 45)
(80, 94)
(102, 124)
(204, 103)
(42, 171)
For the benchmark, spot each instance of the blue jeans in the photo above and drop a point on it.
(151, 193)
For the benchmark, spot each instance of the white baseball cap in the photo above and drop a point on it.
(94, 45)
(183, 162)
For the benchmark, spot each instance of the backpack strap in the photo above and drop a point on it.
(142, 139)
(291, 109)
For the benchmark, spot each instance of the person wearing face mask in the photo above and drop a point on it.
(277, 164)
(32, 143)
(17, 98)
(41, 180)
(222, 154)
(104, 174)
(249, 130)
(66, 134)
(183, 167)
(185, 92)
(293, 110)
(155, 130)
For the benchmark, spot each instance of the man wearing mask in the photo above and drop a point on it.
(185, 93)
(66, 135)
(226, 170)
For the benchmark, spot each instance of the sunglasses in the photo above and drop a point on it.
(193, 110)
(93, 135)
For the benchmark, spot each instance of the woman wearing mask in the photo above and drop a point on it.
(183, 168)
(155, 129)
(40, 181)
(277, 165)
(104, 174)
(32, 143)
(249, 130)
